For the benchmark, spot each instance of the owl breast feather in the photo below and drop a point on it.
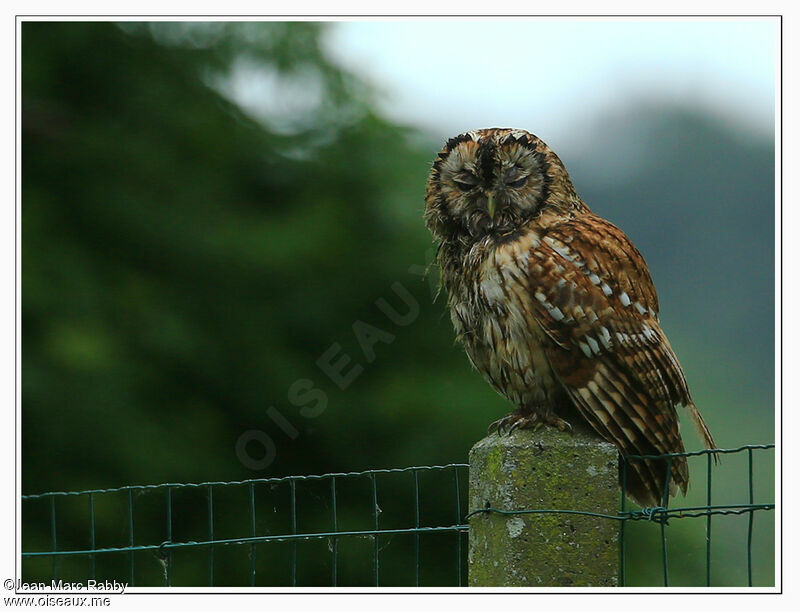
(493, 317)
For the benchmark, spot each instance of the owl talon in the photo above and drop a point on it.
(558, 423)
(495, 426)
(533, 422)
(507, 425)
(525, 423)
(510, 423)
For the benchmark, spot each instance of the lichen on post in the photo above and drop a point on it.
(543, 470)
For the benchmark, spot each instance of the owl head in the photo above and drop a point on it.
(491, 182)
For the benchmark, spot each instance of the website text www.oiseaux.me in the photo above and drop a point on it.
(92, 593)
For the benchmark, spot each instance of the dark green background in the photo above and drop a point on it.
(184, 265)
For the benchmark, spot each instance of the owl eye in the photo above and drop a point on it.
(465, 182)
(518, 182)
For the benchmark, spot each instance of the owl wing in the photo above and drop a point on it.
(594, 298)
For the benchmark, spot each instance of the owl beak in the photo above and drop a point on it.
(491, 206)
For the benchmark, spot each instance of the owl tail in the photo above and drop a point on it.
(644, 480)
(701, 427)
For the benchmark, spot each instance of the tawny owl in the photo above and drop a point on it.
(554, 305)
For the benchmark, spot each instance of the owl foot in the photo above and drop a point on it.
(532, 420)
(501, 425)
(557, 422)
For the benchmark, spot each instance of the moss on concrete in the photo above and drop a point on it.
(546, 469)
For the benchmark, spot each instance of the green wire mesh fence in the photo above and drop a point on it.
(389, 527)
(330, 529)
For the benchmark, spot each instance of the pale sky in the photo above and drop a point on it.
(555, 75)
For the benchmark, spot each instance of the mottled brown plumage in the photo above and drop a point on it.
(554, 305)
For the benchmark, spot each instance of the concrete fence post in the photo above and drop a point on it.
(546, 469)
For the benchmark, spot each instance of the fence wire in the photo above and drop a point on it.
(273, 518)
